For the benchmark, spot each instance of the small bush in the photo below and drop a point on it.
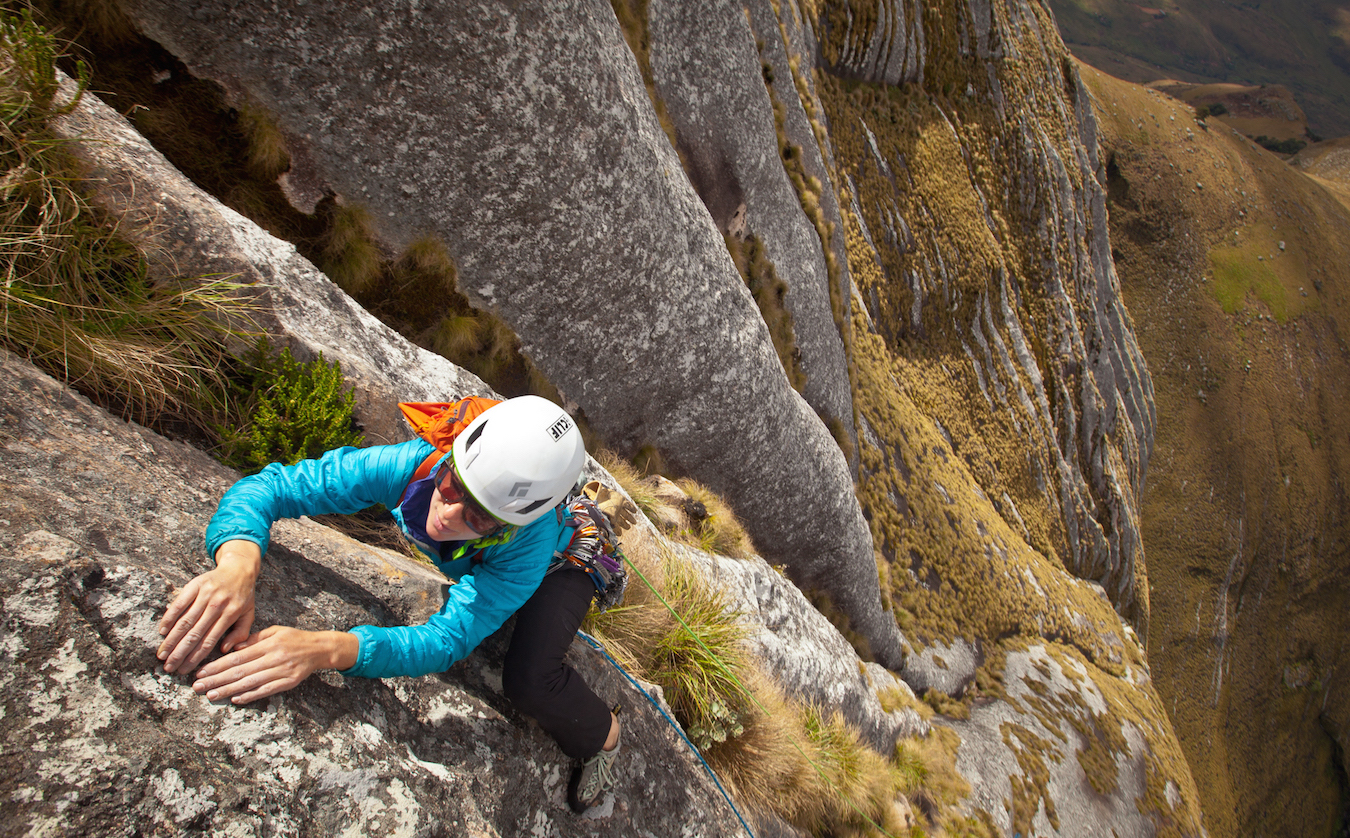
(290, 411)
(1289, 146)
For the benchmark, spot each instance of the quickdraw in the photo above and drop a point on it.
(594, 548)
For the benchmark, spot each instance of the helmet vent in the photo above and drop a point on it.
(473, 437)
(532, 507)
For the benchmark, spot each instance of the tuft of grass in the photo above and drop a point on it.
(78, 300)
(699, 662)
(629, 479)
(632, 18)
(650, 460)
(894, 698)
(910, 767)
(720, 531)
(458, 336)
(267, 155)
(426, 259)
(804, 764)
(698, 517)
(101, 22)
(864, 783)
(770, 293)
(946, 705)
(839, 431)
(349, 254)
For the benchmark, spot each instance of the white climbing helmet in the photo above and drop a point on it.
(520, 458)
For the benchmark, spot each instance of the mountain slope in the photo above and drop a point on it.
(1234, 268)
(1301, 44)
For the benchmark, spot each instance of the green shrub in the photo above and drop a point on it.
(1289, 146)
(290, 411)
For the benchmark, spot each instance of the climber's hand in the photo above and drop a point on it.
(274, 660)
(216, 607)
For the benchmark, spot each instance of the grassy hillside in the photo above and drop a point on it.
(1302, 44)
(1234, 267)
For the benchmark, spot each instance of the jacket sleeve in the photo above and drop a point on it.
(474, 608)
(343, 480)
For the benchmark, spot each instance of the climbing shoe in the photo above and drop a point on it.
(591, 778)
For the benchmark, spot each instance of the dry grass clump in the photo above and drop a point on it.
(349, 254)
(267, 154)
(946, 705)
(773, 753)
(630, 479)
(719, 530)
(417, 295)
(770, 293)
(684, 509)
(77, 297)
(810, 769)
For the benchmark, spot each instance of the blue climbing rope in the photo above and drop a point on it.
(596, 645)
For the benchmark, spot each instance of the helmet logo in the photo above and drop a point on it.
(520, 490)
(560, 427)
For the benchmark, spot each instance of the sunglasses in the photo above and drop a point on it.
(452, 491)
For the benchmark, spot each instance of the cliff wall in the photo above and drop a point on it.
(103, 519)
(1234, 265)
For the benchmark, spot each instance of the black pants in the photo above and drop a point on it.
(534, 676)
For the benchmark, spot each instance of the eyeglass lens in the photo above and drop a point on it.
(474, 515)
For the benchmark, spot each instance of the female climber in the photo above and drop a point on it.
(485, 514)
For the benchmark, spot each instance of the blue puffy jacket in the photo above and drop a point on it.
(348, 480)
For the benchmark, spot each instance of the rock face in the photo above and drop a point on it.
(194, 234)
(1103, 787)
(186, 232)
(102, 519)
(806, 655)
(709, 74)
(568, 214)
